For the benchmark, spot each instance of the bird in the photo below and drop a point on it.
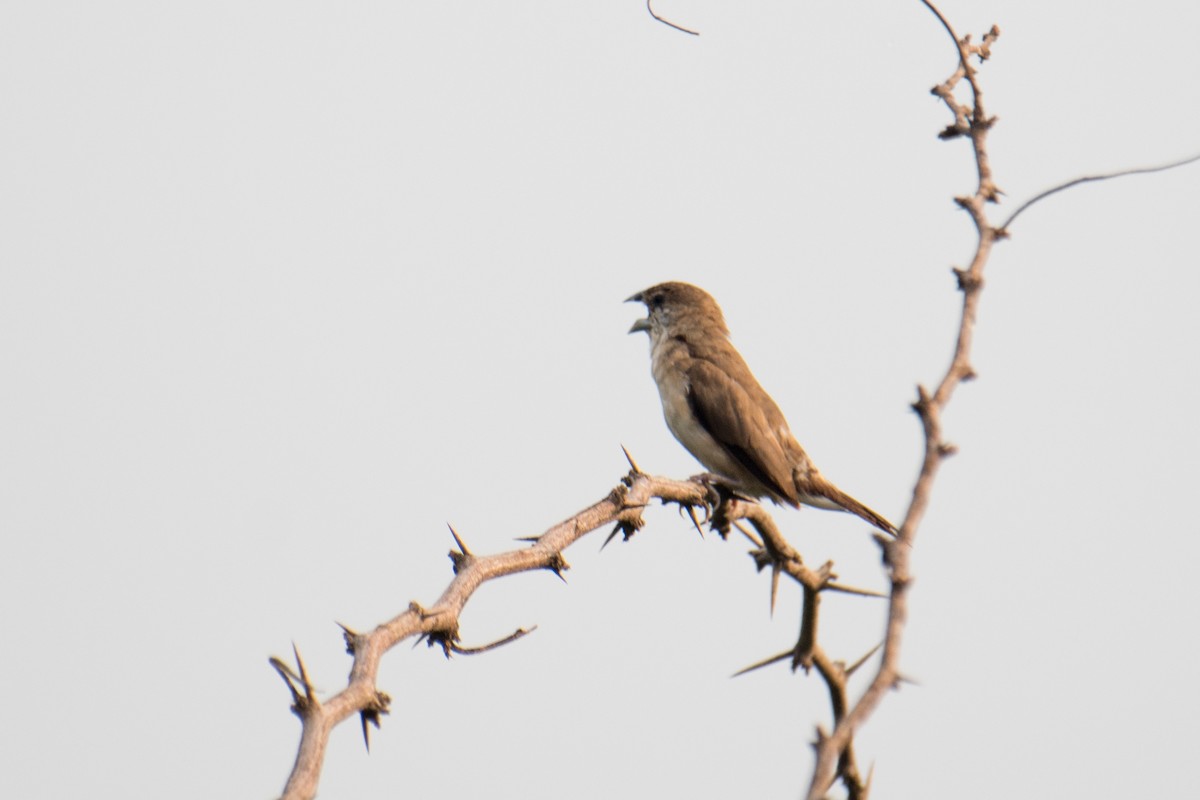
(721, 414)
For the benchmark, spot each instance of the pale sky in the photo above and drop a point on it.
(287, 286)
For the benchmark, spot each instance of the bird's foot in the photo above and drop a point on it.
(706, 478)
(720, 487)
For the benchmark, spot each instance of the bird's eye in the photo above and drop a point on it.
(657, 301)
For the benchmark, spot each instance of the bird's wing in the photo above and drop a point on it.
(739, 423)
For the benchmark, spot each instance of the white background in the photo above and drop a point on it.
(286, 286)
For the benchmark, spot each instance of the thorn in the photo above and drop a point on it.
(632, 464)
(802, 656)
(741, 526)
(626, 525)
(946, 449)
(766, 662)
(367, 716)
(558, 565)
(282, 668)
(775, 570)
(350, 636)
(838, 587)
(303, 672)
(379, 706)
(850, 669)
(457, 540)
(692, 513)
(443, 639)
(611, 535)
(371, 714)
(302, 705)
(290, 678)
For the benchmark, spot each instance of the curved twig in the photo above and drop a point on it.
(1089, 179)
(668, 22)
(483, 648)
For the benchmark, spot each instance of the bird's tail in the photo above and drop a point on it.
(814, 490)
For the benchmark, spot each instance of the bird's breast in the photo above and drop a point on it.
(669, 364)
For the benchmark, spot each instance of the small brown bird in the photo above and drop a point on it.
(717, 410)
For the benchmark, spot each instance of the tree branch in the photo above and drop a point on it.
(971, 121)
(622, 508)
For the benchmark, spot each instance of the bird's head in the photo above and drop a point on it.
(674, 306)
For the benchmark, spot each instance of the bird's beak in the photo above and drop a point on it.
(642, 324)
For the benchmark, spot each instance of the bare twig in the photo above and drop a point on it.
(970, 121)
(668, 22)
(472, 651)
(1089, 179)
(834, 752)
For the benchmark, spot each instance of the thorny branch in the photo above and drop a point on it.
(439, 624)
(622, 508)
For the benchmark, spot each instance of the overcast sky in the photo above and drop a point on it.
(287, 286)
